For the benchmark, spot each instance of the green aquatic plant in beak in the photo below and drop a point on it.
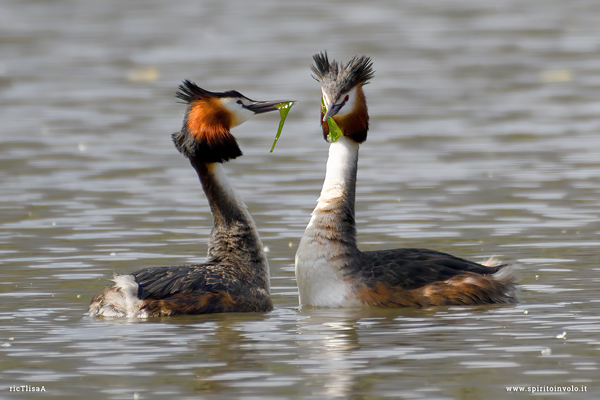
(284, 109)
(334, 130)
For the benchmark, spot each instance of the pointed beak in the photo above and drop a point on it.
(332, 110)
(259, 107)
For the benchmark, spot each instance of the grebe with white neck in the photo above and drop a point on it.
(330, 269)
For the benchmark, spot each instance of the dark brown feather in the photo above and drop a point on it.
(422, 277)
(200, 289)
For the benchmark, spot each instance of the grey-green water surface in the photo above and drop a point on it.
(485, 122)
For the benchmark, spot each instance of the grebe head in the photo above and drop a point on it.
(343, 97)
(205, 135)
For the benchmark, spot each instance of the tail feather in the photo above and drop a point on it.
(507, 276)
(493, 261)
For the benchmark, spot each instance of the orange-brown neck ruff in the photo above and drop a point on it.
(354, 125)
(205, 135)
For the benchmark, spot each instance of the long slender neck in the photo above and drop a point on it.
(227, 208)
(234, 236)
(329, 241)
(333, 217)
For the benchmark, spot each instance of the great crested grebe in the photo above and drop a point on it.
(235, 276)
(330, 270)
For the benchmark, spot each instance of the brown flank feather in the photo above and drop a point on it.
(186, 303)
(464, 289)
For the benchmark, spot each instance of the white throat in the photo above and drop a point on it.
(329, 240)
(341, 170)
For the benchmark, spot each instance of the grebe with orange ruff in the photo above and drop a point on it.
(235, 276)
(330, 269)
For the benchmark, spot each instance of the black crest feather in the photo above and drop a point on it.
(358, 70)
(189, 92)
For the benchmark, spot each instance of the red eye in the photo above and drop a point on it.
(346, 98)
